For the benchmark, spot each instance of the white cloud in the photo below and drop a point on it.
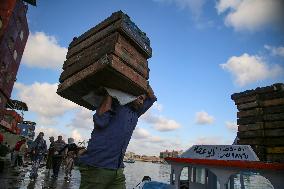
(276, 51)
(232, 126)
(43, 51)
(140, 133)
(143, 142)
(82, 119)
(251, 15)
(250, 68)
(160, 123)
(157, 106)
(76, 135)
(48, 132)
(43, 100)
(203, 118)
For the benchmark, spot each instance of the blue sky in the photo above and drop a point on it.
(203, 51)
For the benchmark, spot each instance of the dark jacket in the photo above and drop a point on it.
(111, 135)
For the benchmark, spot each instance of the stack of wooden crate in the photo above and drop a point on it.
(112, 54)
(261, 121)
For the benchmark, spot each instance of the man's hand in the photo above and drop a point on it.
(105, 105)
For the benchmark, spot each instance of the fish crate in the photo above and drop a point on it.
(258, 93)
(113, 44)
(109, 71)
(279, 132)
(118, 21)
(276, 157)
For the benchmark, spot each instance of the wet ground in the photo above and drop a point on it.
(18, 178)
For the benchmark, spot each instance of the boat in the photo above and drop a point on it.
(129, 161)
(216, 167)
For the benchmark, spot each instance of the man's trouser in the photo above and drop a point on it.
(35, 165)
(100, 178)
(56, 163)
(49, 161)
(69, 163)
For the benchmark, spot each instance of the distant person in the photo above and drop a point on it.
(38, 150)
(57, 156)
(102, 166)
(50, 154)
(71, 150)
(19, 152)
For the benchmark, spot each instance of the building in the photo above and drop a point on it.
(173, 153)
(14, 33)
(13, 37)
(129, 155)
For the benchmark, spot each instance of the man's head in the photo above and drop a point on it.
(51, 139)
(40, 135)
(138, 103)
(59, 138)
(70, 140)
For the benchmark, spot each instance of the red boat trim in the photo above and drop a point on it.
(229, 163)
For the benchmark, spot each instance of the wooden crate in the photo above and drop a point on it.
(252, 141)
(251, 127)
(260, 151)
(249, 113)
(110, 72)
(249, 105)
(275, 158)
(271, 95)
(272, 141)
(120, 22)
(263, 91)
(274, 117)
(261, 133)
(113, 44)
(273, 102)
(274, 125)
(246, 99)
(273, 109)
(275, 150)
(251, 134)
(250, 120)
(261, 118)
(274, 132)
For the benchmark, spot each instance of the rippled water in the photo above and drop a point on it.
(134, 172)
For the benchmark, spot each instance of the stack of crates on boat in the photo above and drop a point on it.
(112, 54)
(261, 121)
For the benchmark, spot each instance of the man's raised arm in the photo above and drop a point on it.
(103, 114)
